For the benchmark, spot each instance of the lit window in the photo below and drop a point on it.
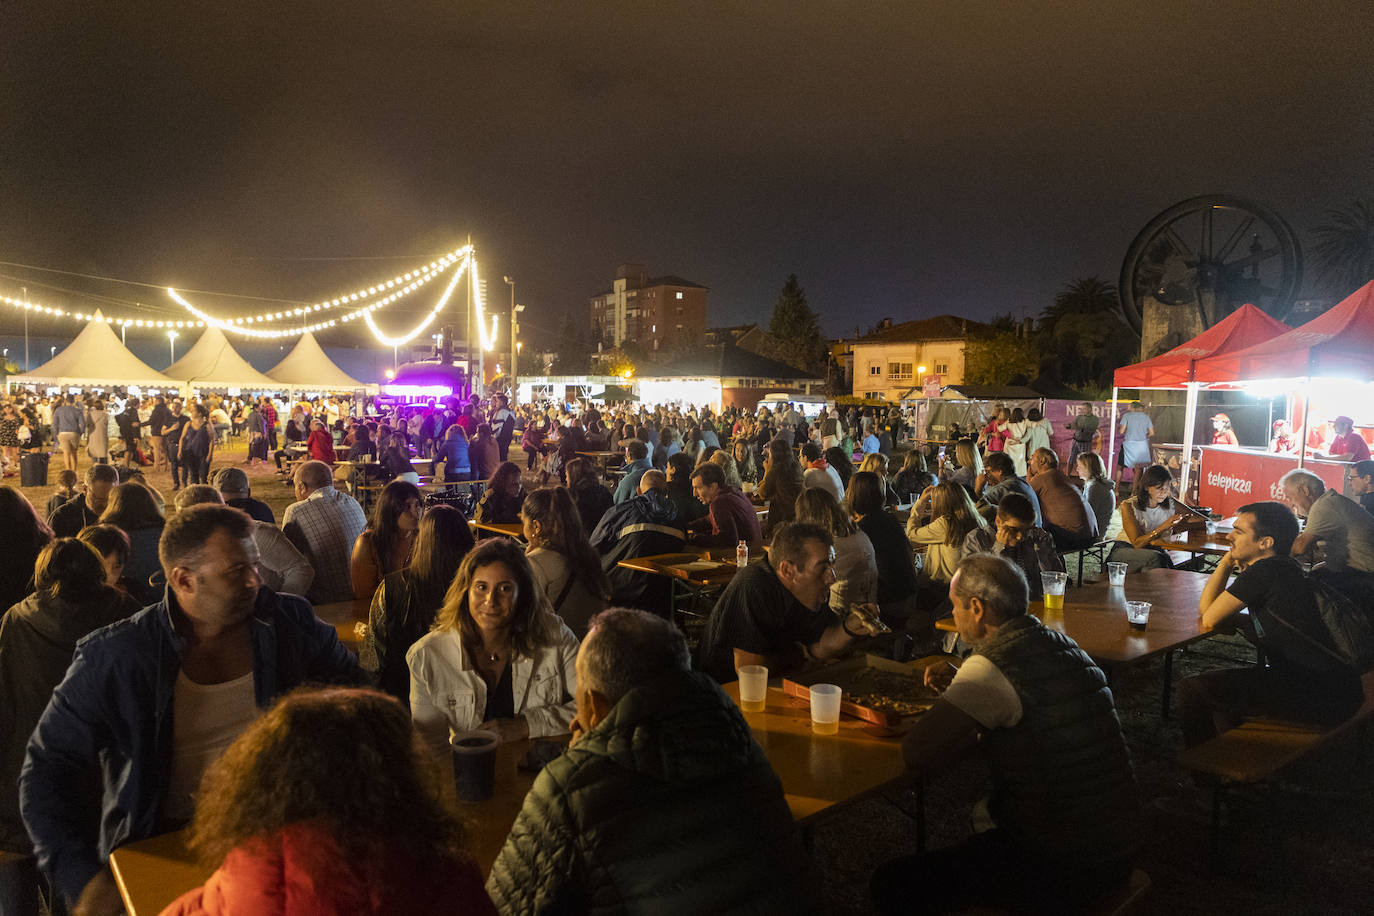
(942, 368)
(679, 295)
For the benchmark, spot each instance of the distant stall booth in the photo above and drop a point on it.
(1318, 372)
(972, 407)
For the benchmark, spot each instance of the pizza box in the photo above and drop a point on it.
(854, 676)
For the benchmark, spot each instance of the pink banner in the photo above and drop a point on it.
(1231, 478)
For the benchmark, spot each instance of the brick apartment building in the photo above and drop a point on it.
(653, 312)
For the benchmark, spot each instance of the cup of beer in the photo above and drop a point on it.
(1054, 583)
(753, 688)
(1138, 614)
(825, 709)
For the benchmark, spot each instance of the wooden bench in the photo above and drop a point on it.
(1258, 751)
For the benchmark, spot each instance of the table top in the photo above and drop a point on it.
(510, 529)
(818, 772)
(345, 616)
(1094, 616)
(1197, 541)
(601, 456)
(670, 565)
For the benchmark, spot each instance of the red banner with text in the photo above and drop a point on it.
(1230, 479)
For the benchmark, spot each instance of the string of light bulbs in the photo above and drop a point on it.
(425, 322)
(77, 315)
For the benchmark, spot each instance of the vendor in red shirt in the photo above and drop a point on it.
(1222, 433)
(320, 443)
(1347, 445)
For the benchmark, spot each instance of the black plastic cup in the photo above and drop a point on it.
(474, 765)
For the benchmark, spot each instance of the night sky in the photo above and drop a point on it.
(902, 158)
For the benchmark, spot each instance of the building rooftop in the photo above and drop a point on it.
(666, 280)
(941, 327)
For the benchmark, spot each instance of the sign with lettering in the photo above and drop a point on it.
(1231, 478)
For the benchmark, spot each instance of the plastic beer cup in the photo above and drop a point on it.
(825, 709)
(1054, 583)
(753, 688)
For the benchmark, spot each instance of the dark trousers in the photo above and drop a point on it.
(503, 446)
(173, 449)
(989, 869)
(194, 467)
(1218, 701)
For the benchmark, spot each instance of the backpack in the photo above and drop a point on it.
(1347, 621)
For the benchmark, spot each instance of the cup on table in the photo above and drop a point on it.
(825, 709)
(1053, 583)
(474, 764)
(1116, 574)
(753, 688)
(1138, 614)
(1211, 526)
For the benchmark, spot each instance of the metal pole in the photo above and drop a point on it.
(26, 327)
(1189, 432)
(1306, 408)
(1111, 434)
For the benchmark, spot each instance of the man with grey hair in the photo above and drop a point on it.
(1343, 529)
(151, 701)
(323, 525)
(1059, 823)
(658, 750)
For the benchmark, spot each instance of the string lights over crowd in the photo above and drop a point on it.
(365, 299)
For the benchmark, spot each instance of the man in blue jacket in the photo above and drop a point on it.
(149, 702)
(636, 463)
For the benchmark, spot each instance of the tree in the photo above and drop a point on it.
(572, 353)
(1084, 337)
(999, 359)
(795, 325)
(1345, 246)
(615, 362)
(1084, 296)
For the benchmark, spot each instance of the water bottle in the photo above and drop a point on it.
(742, 554)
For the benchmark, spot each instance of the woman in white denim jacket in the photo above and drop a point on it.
(498, 658)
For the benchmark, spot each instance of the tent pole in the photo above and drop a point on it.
(1189, 431)
(1111, 433)
(1306, 410)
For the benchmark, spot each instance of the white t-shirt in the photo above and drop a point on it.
(983, 691)
(206, 718)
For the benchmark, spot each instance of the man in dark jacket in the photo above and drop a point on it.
(590, 837)
(643, 527)
(1057, 832)
(113, 760)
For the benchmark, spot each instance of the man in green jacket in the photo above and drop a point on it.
(663, 804)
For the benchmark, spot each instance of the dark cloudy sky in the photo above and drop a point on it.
(903, 158)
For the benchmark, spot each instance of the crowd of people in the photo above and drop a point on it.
(163, 665)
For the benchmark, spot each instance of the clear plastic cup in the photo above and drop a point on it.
(753, 688)
(1116, 573)
(1053, 583)
(825, 709)
(1138, 614)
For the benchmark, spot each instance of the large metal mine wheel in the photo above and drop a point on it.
(1213, 253)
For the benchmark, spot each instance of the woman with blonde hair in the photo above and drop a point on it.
(952, 516)
(856, 565)
(728, 466)
(970, 465)
(498, 657)
(876, 463)
(328, 804)
(566, 567)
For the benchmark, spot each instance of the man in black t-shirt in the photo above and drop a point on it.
(1306, 679)
(771, 610)
(171, 430)
(1362, 484)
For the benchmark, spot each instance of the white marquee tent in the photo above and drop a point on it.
(214, 363)
(95, 359)
(307, 367)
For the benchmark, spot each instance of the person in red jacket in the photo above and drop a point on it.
(323, 808)
(320, 443)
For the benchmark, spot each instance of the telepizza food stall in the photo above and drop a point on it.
(1326, 366)
(1180, 369)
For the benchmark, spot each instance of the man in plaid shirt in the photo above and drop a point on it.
(323, 525)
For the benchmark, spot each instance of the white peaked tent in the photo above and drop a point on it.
(95, 359)
(214, 363)
(307, 367)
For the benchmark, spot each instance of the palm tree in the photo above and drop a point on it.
(1084, 296)
(1345, 246)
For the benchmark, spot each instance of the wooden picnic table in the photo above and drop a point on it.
(602, 458)
(1197, 542)
(346, 616)
(819, 775)
(509, 529)
(1094, 616)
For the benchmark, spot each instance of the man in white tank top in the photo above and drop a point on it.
(148, 703)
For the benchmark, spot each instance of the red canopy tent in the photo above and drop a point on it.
(1336, 344)
(1244, 328)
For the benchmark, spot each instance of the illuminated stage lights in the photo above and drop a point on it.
(87, 316)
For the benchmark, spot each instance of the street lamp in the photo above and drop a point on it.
(514, 334)
(172, 342)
